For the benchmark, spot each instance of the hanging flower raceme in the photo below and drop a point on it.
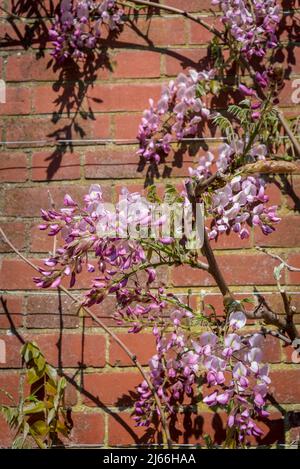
(98, 230)
(242, 201)
(252, 24)
(105, 239)
(78, 26)
(180, 112)
(230, 364)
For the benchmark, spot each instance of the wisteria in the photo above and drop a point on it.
(78, 26)
(180, 112)
(252, 24)
(242, 202)
(121, 255)
(230, 365)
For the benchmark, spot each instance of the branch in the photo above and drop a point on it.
(132, 357)
(177, 11)
(264, 313)
(275, 256)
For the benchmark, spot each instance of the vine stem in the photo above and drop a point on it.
(177, 11)
(132, 357)
(283, 324)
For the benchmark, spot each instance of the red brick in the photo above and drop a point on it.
(100, 98)
(126, 126)
(271, 350)
(141, 345)
(158, 31)
(37, 128)
(231, 241)
(136, 64)
(6, 434)
(274, 193)
(116, 389)
(13, 167)
(18, 101)
(16, 275)
(199, 34)
(40, 241)
(87, 428)
(184, 428)
(11, 314)
(178, 60)
(287, 94)
(119, 97)
(9, 382)
(293, 193)
(76, 349)
(47, 311)
(48, 166)
(27, 202)
(294, 261)
(112, 164)
(15, 231)
(12, 351)
(192, 6)
(27, 67)
(123, 431)
(285, 386)
(103, 311)
(287, 234)
(237, 269)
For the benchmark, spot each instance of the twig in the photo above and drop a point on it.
(277, 334)
(132, 357)
(176, 11)
(275, 256)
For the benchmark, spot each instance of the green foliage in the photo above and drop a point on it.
(40, 417)
(224, 125)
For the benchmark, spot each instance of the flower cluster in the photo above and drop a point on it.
(242, 394)
(95, 229)
(231, 366)
(252, 24)
(179, 113)
(78, 25)
(241, 201)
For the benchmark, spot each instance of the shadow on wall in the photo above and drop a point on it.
(74, 106)
(189, 427)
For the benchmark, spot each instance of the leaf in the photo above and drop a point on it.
(51, 373)
(34, 408)
(215, 87)
(40, 362)
(51, 415)
(278, 270)
(40, 428)
(32, 376)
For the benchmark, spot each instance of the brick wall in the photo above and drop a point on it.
(106, 101)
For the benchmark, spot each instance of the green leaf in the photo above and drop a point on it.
(34, 408)
(40, 428)
(51, 415)
(32, 376)
(215, 87)
(51, 373)
(278, 270)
